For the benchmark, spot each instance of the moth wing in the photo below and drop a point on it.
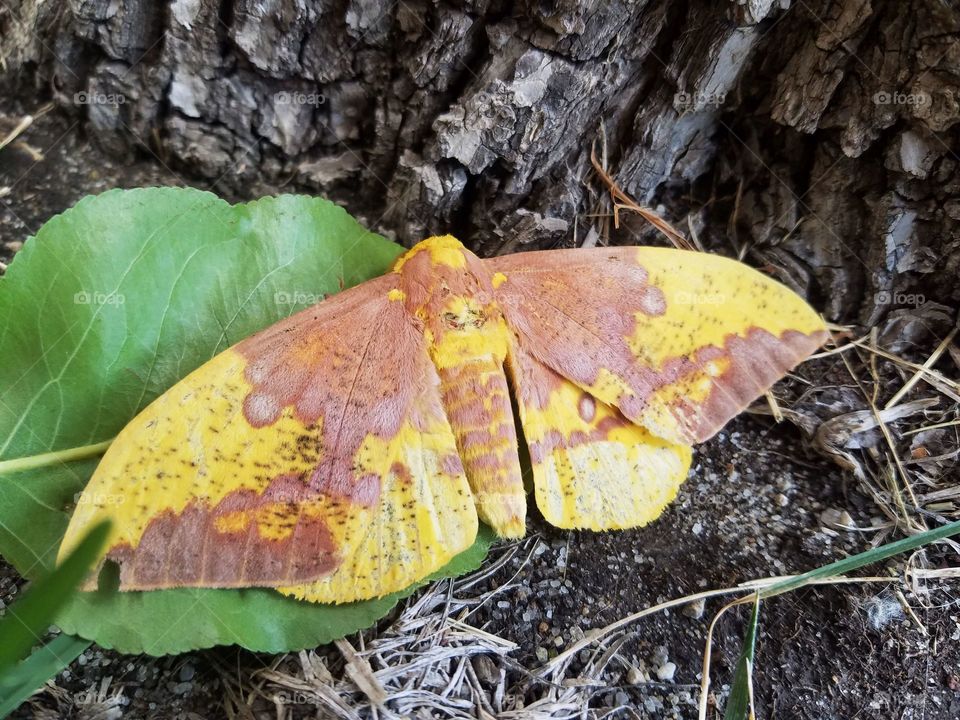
(314, 450)
(678, 341)
(592, 468)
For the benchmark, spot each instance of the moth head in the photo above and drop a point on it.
(442, 250)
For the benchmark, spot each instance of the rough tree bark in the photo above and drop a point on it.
(818, 136)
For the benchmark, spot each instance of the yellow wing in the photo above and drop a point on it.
(314, 456)
(592, 468)
(623, 357)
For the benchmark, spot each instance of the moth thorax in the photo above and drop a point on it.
(468, 331)
(461, 313)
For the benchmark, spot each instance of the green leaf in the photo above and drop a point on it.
(257, 619)
(29, 617)
(108, 306)
(23, 680)
(739, 706)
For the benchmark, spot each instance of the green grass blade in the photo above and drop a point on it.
(20, 682)
(29, 617)
(738, 704)
(855, 562)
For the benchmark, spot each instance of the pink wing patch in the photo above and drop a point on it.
(356, 363)
(680, 342)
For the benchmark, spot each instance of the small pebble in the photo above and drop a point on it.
(543, 627)
(695, 609)
(541, 653)
(562, 558)
(621, 699)
(660, 655)
(486, 670)
(836, 519)
(187, 672)
(666, 671)
(635, 676)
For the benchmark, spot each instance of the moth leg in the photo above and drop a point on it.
(477, 401)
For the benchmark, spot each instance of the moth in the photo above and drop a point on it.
(348, 451)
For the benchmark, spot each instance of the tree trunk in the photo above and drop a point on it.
(816, 138)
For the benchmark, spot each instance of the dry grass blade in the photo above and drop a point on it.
(908, 609)
(740, 703)
(934, 356)
(362, 674)
(947, 573)
(24, 123)
(835, 435)
(321, 693)
(939, 381)
(708, 653)
(622, 201)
